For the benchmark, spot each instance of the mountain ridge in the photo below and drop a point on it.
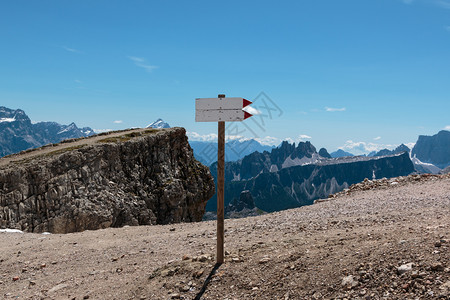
(18, 133)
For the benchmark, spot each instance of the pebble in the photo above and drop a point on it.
(445, 287)
(186, 257)
(175, 296)
(437, 267)
(57, 288)
(349, 282)
(264, 260)
(185, 288)
(404, 268)
(15, 278)
(199, 273)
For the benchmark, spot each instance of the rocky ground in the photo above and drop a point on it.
(380, 240)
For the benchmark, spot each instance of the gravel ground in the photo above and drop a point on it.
(389, 242)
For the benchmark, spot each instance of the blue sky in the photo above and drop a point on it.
(367, 73)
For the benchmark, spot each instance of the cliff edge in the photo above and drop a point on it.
(132, 177)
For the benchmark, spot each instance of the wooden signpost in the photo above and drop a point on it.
(221, 110)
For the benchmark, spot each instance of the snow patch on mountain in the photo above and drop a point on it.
(7, 120)
(158, 124)
(424, 167)
(289, 162)
(70, 127)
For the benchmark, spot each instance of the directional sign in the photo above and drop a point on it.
(221, 109)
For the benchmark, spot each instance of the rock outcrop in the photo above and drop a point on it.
(136, 177)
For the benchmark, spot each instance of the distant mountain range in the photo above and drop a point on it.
(340, 153)
(429, 155)
(17, 133)
(206, 152)
(291, 176)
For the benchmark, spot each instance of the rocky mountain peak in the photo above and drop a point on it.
(17, 133)
(433, 149)
(159, 124)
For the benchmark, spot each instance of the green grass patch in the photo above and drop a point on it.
(127, 136)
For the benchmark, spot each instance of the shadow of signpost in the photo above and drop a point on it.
(208, 279)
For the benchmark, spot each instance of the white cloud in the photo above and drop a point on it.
(447, 127)
(141, 62)
(194, 136)
(332, 109)
(447, 28)
(212, 137)
(70, 49)
(377, 138)
(269, 141)
(304, 137)
(78, 81)
(136, 59)
(118, 122)
(410, 145)
(359, 148)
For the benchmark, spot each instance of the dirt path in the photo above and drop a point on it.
(24, 155)
(348, 248)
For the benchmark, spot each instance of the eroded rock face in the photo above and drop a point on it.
(142, 179)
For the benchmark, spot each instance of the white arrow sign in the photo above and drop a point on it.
(221, 109)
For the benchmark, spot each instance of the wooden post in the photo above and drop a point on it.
(220, 189)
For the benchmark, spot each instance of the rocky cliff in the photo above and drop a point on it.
(136, 177)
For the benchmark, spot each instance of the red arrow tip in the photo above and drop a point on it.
(246, 102)
(246, 114)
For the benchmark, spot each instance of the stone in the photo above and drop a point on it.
(445, 287)
(404, 268)
(439, 267)
(185, 288)
(175, 296)
(199, 273)
(264, 260)
(349, 282)
(57, 288)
